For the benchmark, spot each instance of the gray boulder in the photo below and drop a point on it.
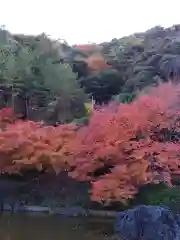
(148, 223)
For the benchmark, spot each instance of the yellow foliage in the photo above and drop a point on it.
(89, 107)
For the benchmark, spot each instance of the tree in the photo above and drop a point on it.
(102, 85)
(145, 59)
(96, 62)
(88, 48)
(33, 86)
(69, 98)
(128, 145)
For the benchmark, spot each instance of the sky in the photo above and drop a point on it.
(83, 21)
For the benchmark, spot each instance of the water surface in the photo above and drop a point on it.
(23, 226)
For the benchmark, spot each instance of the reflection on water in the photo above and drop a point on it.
(45, 227)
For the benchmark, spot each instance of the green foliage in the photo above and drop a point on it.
(124, 97)
(32, 84)
(159, 195)
(140, 60)
(103, 85)
(82, 121)
(145, 59)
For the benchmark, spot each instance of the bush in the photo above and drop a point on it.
(159, 195)
(82, 121)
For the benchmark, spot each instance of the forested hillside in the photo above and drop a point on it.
(43, 79)
(138, 61)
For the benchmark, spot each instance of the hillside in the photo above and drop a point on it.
(141, 60)
(49, 80)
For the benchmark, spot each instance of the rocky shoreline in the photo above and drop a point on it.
(64, 211)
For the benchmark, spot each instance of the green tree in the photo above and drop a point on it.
(69, 98)
(32, 84)
(103, 85)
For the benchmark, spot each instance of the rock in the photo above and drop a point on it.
(148, 223)
(72, 211)
(35, 209)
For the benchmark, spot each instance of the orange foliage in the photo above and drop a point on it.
(125, 146)
(31, 145)
(96, 62)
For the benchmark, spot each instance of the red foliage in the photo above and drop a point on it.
(125, 146)
(6, 117)
(87, 47)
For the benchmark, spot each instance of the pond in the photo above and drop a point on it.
(23, 226)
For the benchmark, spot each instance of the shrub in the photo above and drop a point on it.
(159, 195)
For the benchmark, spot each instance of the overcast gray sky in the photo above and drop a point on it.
(82, 21)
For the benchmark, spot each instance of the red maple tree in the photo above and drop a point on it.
(87, 47)
(128, 145)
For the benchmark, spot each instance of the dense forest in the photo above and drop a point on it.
(129, 139)
(44, 79)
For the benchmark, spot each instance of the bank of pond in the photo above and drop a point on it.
(142, 222)
(32, 226)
